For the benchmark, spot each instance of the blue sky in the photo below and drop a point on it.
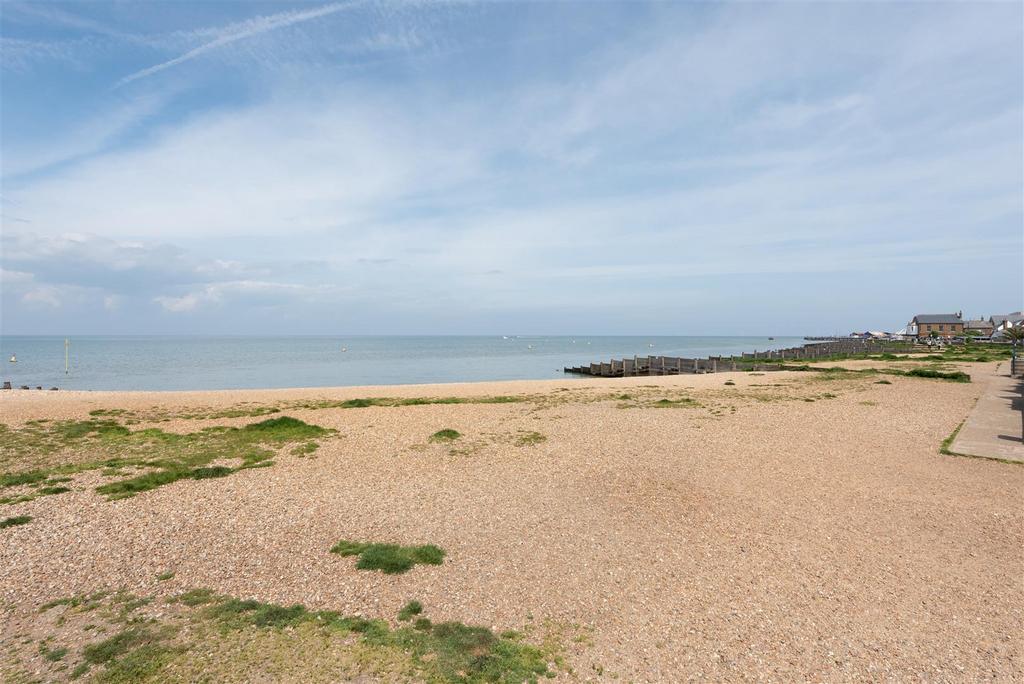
(527, 167)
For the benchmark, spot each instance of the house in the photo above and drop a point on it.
(1004, 321)
(979, 327)
(936, 325)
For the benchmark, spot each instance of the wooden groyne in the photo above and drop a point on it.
(757, 360)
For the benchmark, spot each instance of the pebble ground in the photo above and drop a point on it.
(772, 538)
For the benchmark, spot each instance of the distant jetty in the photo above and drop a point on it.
(757, 360)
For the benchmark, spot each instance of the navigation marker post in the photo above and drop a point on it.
(67, 343)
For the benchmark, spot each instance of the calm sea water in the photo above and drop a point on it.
(186, 363)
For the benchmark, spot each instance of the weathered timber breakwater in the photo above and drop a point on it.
(760, 361)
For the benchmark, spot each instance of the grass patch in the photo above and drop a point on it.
(196, 597)
(164, 576)
(401, 401)
(833, 371)
(166, 457)
(410, 610)
(52, 654)
(15, 520)
(131, 655)
(16, 479)
(391, 559)
(683, 402)
(529, 438)
(446, 435)
(954, 376)
(445, 652)
(305, 449)
(222, 638)
(944, 448)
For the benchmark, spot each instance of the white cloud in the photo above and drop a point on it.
(9, 277)
(45, 296)
(254, 292)
(178, 304)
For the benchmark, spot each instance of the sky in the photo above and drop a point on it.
(508, 167)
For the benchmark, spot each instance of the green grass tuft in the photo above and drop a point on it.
(955, 376)
(683, 402)
(410, 610)
(15, 479)
(15, 520)
(207, 473)
(110, 648)
(529, 438)
(52, 654)
(391, 559)
(305, 449)
(259, 614)
(446, 435)
(944, 448)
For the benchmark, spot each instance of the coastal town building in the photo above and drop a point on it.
(936, 325)
(1004, 321)
(979, 327)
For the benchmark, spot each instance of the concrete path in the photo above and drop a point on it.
(994, 428)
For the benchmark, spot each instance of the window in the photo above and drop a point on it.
(942, 327)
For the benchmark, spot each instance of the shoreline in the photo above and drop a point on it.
(404, 389)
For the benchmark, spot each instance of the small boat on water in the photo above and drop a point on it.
(13, 359)
(770, 339)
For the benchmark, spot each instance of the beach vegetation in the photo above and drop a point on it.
(305, 449)
(391, 559)
(838, 371)
(196, 597)
(681, 402)
(944, 448)
(400, 401)
(446, 435)
(164, 457)
(410, 610)
(201, 635)
(528, 438)
(52, 654)
(14, 521)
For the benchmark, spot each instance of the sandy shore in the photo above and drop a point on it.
(784, 527)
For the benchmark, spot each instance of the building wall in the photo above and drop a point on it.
(941, 329)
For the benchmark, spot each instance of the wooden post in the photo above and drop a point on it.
(67, 343)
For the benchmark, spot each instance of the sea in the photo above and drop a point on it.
(207, 363)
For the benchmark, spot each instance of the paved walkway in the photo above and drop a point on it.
(995, 425)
